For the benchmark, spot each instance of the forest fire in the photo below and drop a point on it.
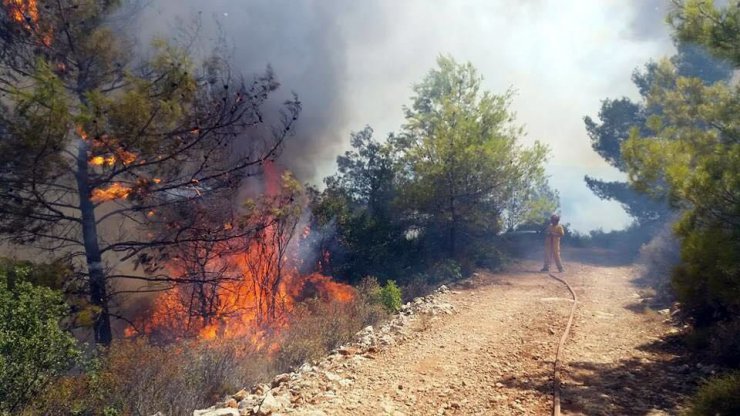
(22, 11)
(248, 294)
(26, 14)
(115, 191)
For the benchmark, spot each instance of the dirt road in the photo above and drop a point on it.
(494, 356)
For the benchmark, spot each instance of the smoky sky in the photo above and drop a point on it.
(300, 40)
(353, 63)
(648, 20)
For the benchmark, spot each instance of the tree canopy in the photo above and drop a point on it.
(444, 186)
(692, 154)
(95, 141)
(618, 117)
(462, 155)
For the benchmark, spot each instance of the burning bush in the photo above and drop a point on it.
(136, 376)
(245, 286)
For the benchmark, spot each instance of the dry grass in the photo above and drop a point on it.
(137, 378)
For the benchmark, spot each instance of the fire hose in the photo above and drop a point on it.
(557, 365)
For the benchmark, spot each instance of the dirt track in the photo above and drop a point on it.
(494, 357)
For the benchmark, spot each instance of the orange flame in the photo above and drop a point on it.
(103, 161)
(115, 191)
(22, 11)
(111, 150)
(26, 14)
(244, 309)
(81, 132)
(248, 295)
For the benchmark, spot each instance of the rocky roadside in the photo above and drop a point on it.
(486, 348)
(297, 392)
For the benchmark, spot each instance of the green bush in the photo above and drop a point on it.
(720, 396)
(707, 282)
(34, 349)
(369, 304)
(446, 271)
(391, 296)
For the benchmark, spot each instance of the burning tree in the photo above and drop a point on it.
(95, 143)
(242, 286)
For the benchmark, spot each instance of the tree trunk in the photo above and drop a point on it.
(452, 244)
(96, 274)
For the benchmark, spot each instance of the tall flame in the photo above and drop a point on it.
(243, 305)
(244, 295)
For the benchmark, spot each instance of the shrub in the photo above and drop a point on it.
(391, 296)
(724, 343)
(318, 327)
(369, 290)
(420, 285)
(720, 396)
(315, 329)
(135, 377)
(708, 281)
(34, 349)
(447, 270)
(370, 301)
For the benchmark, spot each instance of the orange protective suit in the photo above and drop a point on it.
(552, 246)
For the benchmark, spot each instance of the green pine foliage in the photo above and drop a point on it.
(691, 154)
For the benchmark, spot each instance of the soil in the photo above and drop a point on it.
(494, 356)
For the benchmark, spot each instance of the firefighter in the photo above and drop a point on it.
(552, 243)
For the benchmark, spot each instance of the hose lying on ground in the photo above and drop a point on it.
(556, 378)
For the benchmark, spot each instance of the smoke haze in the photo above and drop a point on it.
(353, 63)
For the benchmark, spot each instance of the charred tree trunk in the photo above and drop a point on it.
(96, 274)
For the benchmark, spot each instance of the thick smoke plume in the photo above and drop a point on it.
(300, 40)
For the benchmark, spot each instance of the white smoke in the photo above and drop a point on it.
(353, 62)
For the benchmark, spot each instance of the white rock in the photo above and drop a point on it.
(268, 406)
(216, 412)
(280, 379)
(310, 413)
(331, 376)
(386, 340)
